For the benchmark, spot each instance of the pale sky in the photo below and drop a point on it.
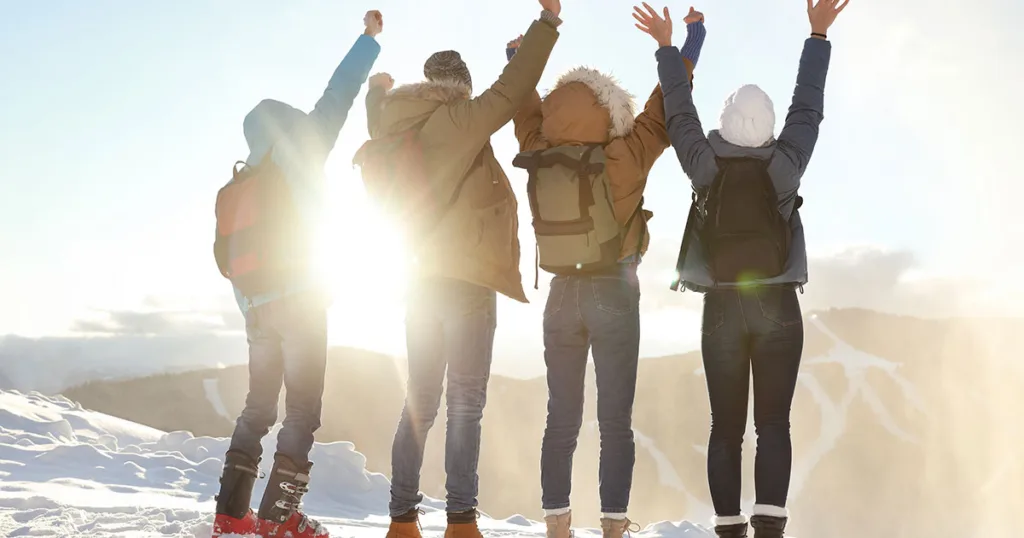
(122, 119)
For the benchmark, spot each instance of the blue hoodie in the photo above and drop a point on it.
(302, 142)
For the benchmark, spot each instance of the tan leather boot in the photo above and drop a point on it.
(462, 530)
(559, 526)
(615, 528)
(405, 529)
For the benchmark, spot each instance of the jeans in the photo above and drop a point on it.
(755, 330)
(287, 344)
(449, 326)
(603, 312)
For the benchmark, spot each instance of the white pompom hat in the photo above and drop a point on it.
(748, 118)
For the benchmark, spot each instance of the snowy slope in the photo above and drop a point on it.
(67, 472)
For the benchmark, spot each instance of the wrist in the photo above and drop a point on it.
(820, 33)
(550, 17)
(663, 44)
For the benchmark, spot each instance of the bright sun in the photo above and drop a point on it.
(362, 260)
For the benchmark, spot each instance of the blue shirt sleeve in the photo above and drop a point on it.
(332, 109)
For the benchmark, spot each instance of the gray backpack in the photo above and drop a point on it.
(571, 202)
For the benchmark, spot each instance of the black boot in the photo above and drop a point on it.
(287, 483)
(736, 530)
(240, 472)
(768, 526)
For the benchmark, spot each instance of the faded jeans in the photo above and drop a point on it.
(756, 330)
(583, 312)
(449, 326)
(287, 344)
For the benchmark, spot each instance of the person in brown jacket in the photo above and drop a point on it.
(598, 309)
(460, 265)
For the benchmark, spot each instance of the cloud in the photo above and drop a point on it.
(158, 322)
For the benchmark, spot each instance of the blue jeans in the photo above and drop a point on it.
(583, 312)
(449, 326)
(287, 344)
(760, 331)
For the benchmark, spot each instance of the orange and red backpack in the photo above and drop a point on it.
(262, 242)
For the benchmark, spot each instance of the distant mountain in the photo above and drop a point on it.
(902, 427)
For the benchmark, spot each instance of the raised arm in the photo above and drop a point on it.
(683, 125)
(806, 112)
(528, 118)
(477, 119)
(332, 109)
(380, 85)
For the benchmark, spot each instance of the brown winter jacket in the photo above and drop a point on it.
(477, 240)
(588, 107)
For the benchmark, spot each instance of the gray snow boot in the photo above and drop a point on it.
(736, 530)
(768, 526)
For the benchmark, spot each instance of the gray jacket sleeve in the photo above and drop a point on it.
(799, 135)
(684, 128)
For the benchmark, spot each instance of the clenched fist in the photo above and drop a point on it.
(382, 80)
(374, 22)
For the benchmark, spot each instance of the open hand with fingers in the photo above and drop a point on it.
(658, 27)
(374, 22)
(823, 14)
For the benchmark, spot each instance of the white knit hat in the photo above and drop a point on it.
(748, 118)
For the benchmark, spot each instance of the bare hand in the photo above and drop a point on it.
(824, 13)
(382, 80)
(651, 24)
(554, 6)
(374, 22)
(514, 44)
(693, 16)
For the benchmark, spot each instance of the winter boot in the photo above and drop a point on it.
(280, 515)
(233, 513)
(768, 526)
(736, 530)
(406, 525)
(559, 526)
(615, 528)
(462, 525)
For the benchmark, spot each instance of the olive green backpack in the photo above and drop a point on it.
(571, 202)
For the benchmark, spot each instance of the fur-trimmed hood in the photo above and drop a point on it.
(408, 105)
(587, 106)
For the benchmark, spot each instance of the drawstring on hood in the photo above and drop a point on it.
(748, 118)
(267, 123)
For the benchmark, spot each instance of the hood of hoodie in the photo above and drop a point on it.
(748, 118)
(267, 123)
(406, 106)
(586, 107)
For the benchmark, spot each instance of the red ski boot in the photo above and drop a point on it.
(233, 513)
(280, 515)
(225, 525)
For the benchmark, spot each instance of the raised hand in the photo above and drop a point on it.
(693, 16)
(382, 80)
(514, 44)
(374, 22)
(554, 6)
(824, 14)
(660, 28)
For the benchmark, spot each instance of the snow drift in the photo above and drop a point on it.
(66, 471)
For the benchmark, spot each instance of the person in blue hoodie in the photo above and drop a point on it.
(754, 325)
(286, 328)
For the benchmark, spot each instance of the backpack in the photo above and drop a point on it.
(395, 178)
(573, 217)
(262, 243)
(744, 235)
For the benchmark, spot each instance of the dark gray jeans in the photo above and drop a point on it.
(449, 326)
(583, 312)
(287, 343)
(760, 331)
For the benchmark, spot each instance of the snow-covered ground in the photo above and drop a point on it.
(67, 472)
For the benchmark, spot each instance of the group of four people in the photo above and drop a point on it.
(587, 126)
